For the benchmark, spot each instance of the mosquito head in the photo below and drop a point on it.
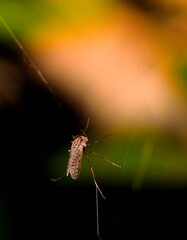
(84, 141)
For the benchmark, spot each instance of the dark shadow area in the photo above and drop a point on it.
(155, 9)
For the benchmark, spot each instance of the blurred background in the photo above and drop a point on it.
(121, 63)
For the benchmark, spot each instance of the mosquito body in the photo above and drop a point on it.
(75, 156)
(78, 148)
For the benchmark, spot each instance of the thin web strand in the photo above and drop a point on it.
(28, 58)
(97, 212)
(131, 80)
(129, 144)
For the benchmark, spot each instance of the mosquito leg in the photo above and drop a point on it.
(99, 139)
(28, 58)
(97, 212)
(57, 179)
(93, 175)
(98, 155)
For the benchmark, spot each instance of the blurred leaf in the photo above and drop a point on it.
(180, 69)
(165, 161)
(22, 15)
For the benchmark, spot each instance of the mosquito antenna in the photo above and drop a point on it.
(28, 58)
(87, 125)
(83, 131)
(101, 138)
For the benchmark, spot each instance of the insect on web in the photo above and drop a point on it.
(32, 64)
(85, 152)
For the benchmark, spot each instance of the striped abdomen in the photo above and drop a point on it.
(75, 156)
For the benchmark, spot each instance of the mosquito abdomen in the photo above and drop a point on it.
(75, 162)
(75, 174)
(75, 157)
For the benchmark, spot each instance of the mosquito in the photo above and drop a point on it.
(78, 148)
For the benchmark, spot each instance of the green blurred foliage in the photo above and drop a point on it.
(152, 160)
(22, 15)
(180, 69)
